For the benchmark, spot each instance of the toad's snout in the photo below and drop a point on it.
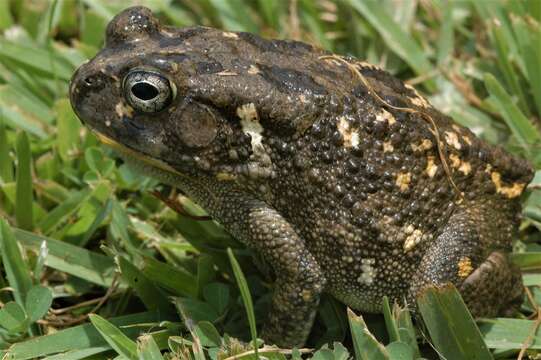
(88, 88)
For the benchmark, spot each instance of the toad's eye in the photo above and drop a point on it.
(148, 91)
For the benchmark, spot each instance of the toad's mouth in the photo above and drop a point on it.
(135, 154)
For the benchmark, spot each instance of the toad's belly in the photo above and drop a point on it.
(362, 287)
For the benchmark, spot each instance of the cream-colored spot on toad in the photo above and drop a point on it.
(307, 295)
(409, 229)
(350, 136)
(413, 237)
(388, 147)
(253, 70)
(509, 191)
(122, 110)
(465, 168)
(467, 139)
(465, 267)
(462, 166)
(384, 115)
(369, 272)
(302, 98)
(456, 128)
(452, 139)
(249, 120)
(425, 144)
(431, 167)
(455, 160)
(355, 139)
(403, 181)
(227, 73)
(225, 176)
(230, 35)
(417, 100)
(488, 168)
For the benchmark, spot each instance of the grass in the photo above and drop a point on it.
(81, 234)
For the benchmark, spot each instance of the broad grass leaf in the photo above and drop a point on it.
(13, 318)
(38, 301)
(122, 344)
(17, 272)
(450, 325)
(364, 343)
(24, 193)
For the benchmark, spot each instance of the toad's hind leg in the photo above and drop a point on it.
(494, 288)
(472, 254)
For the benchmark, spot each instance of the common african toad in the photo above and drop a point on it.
(308, 160)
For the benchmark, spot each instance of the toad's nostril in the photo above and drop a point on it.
(89, 81)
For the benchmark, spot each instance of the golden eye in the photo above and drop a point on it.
(148, 91)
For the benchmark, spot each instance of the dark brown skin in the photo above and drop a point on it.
(295, 157)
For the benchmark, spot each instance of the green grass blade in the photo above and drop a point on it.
(446, 35)
(35, 110)
(234, 15)
(534, 9)
(503, 333)
(527, 261)
(17, 272)
(524, 131)
(364, 343)
(101, 215)
(79, 337)
(400, 351)
(271, 10)
(174, 279)
(88, 265)
(99, 8)
(119, 227)
(504, 57)
(35, 60)
(16, 118)
(528, 35)
(6, 20)
(6, 165)
(331, 314)
(395, 38)
(205, 272)
(67, 138)
(450, 324)
(217, 295)
(207, 334)
(246, 297)
(24, 196)
(63, 211)
(148, 292)
(122, 344)
(193, 311)
(390, 323)
(406, 329)
(86, 354)
(147, 349)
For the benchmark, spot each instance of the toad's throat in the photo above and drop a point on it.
(135, 154)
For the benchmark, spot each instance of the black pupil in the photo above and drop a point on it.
(144, 91)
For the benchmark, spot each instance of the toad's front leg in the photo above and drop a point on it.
(300, 280)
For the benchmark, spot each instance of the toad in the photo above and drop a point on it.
(342, 177)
